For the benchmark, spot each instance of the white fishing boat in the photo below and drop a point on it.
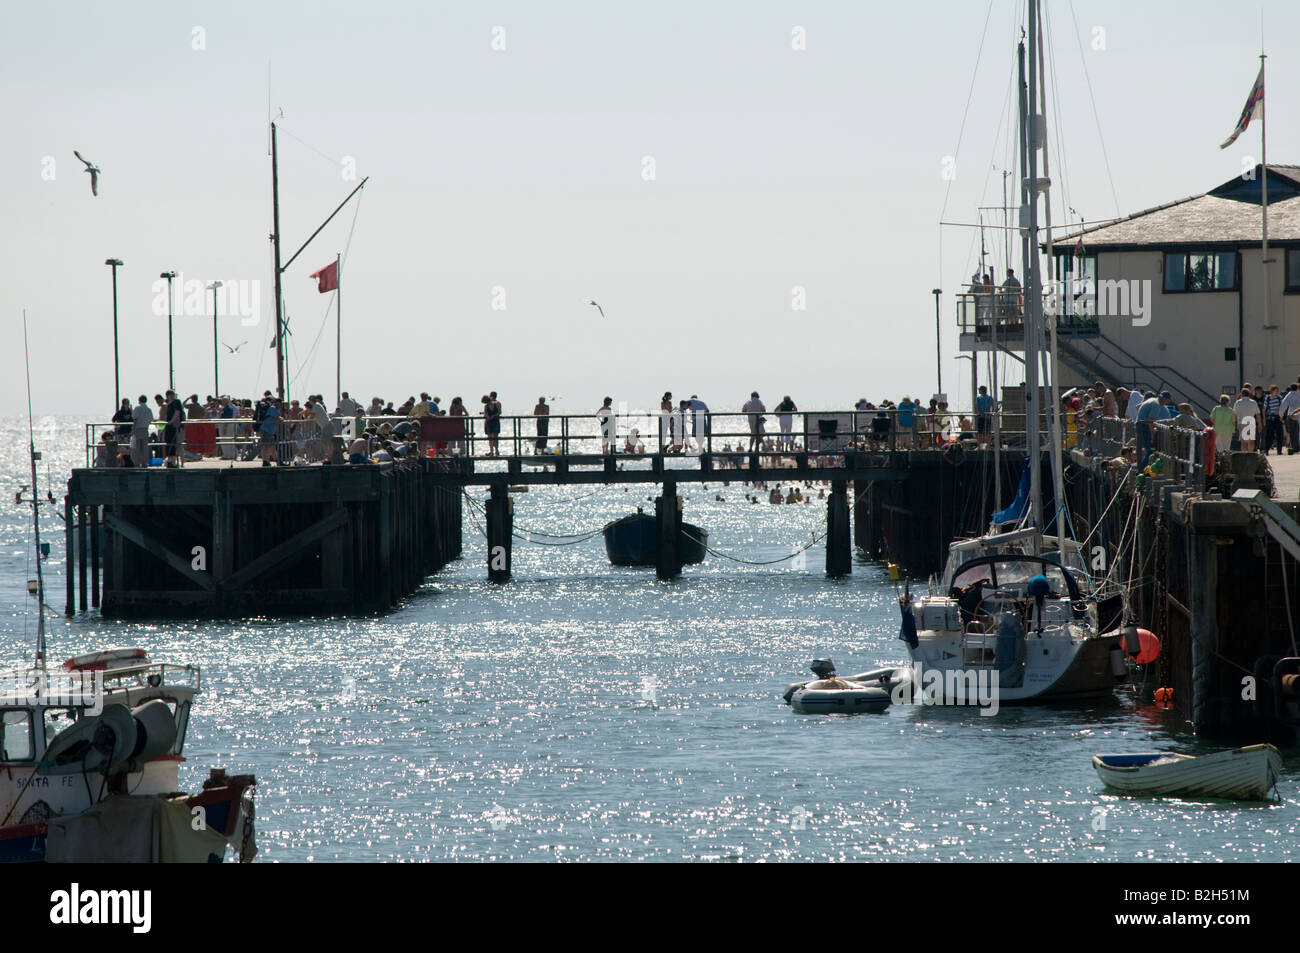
(90, 756)
(1244, 774)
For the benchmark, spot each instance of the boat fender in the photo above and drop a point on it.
(1118, 667)
(1132, 645)
(1150, 647)
(1164, 697)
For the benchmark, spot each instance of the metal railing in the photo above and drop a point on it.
(727, 436)
(978, 310)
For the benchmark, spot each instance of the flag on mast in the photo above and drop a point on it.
(327, 278)
(1254, 106)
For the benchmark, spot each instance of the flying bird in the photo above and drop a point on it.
(598, 308)
(235, 349)
(92, 169)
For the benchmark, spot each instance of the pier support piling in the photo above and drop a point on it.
(839, 555)
(668, 517)
(500, 526)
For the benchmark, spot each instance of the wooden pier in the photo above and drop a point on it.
(247, 541)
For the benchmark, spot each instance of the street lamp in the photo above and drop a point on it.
(115, 263)
(216, 386)
(171, 369)
(938, 359)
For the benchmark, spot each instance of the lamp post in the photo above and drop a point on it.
(216, 385)
(115, 263)
(171, 367)
(938, 358)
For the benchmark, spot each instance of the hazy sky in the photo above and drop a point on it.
(519, 176)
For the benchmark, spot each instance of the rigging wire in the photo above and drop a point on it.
(1095, 115)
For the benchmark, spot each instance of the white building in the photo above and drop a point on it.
(1173, 298)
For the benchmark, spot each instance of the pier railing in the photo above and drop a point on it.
(729, 437)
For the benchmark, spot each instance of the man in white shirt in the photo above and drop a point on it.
(754, 407)
(347, 406)
(1135, 399)
(141, 418)
(1247, 412)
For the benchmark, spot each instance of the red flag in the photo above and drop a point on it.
(327, 277)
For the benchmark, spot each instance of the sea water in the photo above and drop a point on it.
(586, 712)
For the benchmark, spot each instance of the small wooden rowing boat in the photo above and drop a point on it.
(1244, 774)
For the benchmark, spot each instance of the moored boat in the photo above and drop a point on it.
(634, 541)
(1245, 774)
(829, 694)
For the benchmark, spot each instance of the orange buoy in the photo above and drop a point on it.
(1148, 647)
(1165, 697)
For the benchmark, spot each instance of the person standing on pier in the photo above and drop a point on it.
(667, 422)
(785, 417)
(141, 418)
(542, 413)
(755, 409)
(266, 431)
(1272, 408)
(700, 420)
(984, 416)
(492, 422)
(174, 417)
(1247, 412)
(1224, 422)
(605, 416)
(1291, 417)
(121, 434)
(347, 406)
(906, 418)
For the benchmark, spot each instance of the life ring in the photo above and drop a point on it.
(954, 452)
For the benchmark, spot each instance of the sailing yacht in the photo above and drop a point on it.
(1020, 607)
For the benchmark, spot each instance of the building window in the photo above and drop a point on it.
(1201, 271)
(1293, 269)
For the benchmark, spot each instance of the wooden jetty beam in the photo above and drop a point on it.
(500, 529)
(839, 556)
(668, 519)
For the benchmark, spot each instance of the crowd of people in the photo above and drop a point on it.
(153, 432)
(1252, 420)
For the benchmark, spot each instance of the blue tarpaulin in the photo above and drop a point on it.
(1019, 504)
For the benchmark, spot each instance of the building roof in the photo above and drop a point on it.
(1228, 214)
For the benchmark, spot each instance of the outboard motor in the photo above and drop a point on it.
(823, 668)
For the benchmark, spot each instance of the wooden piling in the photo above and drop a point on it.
(69, 556)
(668, 517)
(839, 556)
(81, 558)
(500, 525)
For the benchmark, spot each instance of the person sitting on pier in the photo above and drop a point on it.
(634, 444)
(359, 449)
(106, 454)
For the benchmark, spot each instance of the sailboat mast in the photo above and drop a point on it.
(275, 241)
(36, 508)
(1054, 420)
(1032, 303)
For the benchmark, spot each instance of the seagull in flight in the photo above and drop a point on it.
(92, 169)
(597, 307)
(235, 349)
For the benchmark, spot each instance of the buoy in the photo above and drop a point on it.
(1150, 647)
(893, 572)
(1165, 697)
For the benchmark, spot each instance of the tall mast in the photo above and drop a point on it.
(1054, 420)
(36, 510)
(1033, 303)
(275, 241)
